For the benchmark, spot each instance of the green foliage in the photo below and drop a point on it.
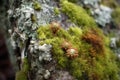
(56, 11)
(77, 14)
(116, 16)
(99, 67)
(37, 6)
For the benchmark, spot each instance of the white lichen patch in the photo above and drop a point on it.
(45, 52)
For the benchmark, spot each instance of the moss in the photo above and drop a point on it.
(77, 14)
(37, 6)
(116, 16)
(33, 18)
(104, 69)
(107, 41)
(75, 31)
(45, 32)
(112, 34)
(22, 74)
(85, 66)
(118, 43)
(74, 1)
(75, 68)
(25, 66)
(56, 11)
(110, 3)
(92, 37)
(118, 63)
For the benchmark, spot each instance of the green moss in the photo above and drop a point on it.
(118, 63)
(77, 14)
(112, 34)
(105, 68)
(118, 43)
(75, 31)
(116, 16)
(21, 76)
(44, 32)
(33, 18)
(56, 11)
(75, 68)
(37, 6)
(107, 41)
(74, 1)
(100, 67)
(63, 34)
(25, 66)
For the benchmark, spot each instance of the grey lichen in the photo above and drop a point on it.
(100, 15)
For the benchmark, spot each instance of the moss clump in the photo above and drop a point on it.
(84, 66)
(116, 16)
(75, 31)
(22, 75)
(92, 37)
(77, 14)
(25, 65)
(37, 6)
(118, 43)
(33, 18)
(56, 11)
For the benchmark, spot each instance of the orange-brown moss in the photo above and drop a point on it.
(92, 37)
(54, 26)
